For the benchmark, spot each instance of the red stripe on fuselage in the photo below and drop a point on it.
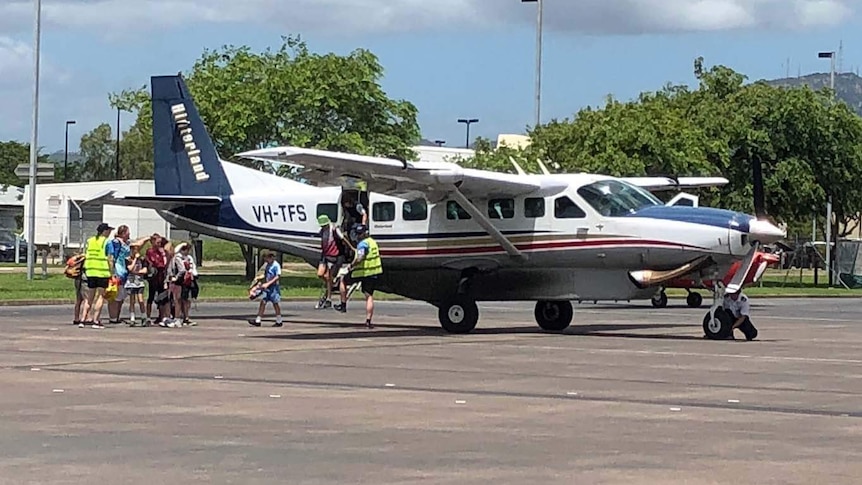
(552, 245)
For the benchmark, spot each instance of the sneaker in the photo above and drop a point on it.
(174, 324)
(321, 304)
(341, 307)
(368, 324)
(328, 304)
(278, 324)
(97, 326)
(254, 323)
(81, 325)
(189, 323)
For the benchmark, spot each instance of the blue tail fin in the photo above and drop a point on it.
(186, 161)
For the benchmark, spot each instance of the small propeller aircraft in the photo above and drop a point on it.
(453, 236)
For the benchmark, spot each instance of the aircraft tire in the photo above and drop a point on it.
(554, 316)
(694, 299)
(661, 301)
(458, 315)
(719, 328)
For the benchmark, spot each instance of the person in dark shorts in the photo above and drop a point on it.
(365, 268)
(99, 267)
(332, 253)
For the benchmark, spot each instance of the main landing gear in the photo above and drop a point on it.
(694, 299)
(460, 314)
(659, 300)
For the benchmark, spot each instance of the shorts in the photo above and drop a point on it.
(272, 294)
(333, 263)
(121, 293)
(369, 283)
(80, 289)
(94, 282)
(135, 291)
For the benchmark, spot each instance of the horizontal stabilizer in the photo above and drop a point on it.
(667, 183)
(157, 202)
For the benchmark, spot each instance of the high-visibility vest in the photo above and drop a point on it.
(371, 265)
(96, 262)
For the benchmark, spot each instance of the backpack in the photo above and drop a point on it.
(74, 266)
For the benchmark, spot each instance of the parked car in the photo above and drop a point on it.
(7, 247)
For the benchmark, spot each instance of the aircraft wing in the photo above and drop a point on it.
(157, 202)
(434, 180)
(656, 184)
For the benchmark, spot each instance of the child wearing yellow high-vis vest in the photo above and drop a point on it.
(365, 268)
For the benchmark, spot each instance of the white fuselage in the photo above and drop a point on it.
(574, 253)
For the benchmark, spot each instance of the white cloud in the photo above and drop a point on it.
(360, 16)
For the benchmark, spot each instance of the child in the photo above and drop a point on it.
(271, 290)
(135, 286)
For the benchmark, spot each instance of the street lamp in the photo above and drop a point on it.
(34, 141)
(468, 122)
(66, 152)
(117, 168)
(539, 5)
(831, 56)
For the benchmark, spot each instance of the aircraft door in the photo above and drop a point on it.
(353, 203)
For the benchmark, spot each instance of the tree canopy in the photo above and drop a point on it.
(287, 96)
(810, 146)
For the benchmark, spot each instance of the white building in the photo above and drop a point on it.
(11, 206)
(64, 219)
(442, 154)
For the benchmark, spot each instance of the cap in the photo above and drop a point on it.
(361, 229)
(323, 220)
(104, 227)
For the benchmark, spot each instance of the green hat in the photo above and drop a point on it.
(323, 220)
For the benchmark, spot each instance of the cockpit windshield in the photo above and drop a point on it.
(615, 198)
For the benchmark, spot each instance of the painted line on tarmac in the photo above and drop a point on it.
(692, 354)
(720, 405)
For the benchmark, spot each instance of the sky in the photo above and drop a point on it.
(451, 58)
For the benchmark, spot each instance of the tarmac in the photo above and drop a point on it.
(628, 394)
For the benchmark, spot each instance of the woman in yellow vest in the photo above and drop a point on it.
(99, 268)
(365, 268)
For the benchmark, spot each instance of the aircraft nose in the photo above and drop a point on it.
(765, 231)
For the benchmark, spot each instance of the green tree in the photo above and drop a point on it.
(98, 153)
(12, 154)
(287, 96)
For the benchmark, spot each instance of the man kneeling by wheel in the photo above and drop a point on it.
(737, 305)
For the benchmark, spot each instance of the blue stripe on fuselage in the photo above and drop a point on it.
(697, 215)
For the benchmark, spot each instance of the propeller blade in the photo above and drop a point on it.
(735, 285)
(757, 177)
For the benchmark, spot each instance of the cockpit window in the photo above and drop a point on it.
(615, 198)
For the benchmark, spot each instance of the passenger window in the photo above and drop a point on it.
(534, 207)
(415, 210)
(329, 210)
(383, 211)
(501, 208)
(454, 211)
(564, 208)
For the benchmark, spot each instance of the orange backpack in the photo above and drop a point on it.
(74, 266)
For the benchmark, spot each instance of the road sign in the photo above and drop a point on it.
(44, 171)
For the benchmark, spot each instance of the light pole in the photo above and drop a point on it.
(468, 122)
(831, 56)
(117, 168)
(34, 141)
(539, 8)
(66, 152)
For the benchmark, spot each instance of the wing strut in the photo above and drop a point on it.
(483, 221)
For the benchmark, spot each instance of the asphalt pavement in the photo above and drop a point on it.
(628, 394)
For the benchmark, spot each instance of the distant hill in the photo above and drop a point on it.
(848, 86)
(57, 157)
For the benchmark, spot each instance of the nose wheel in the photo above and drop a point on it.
(717, 324)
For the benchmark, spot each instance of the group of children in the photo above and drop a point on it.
(170, 273)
